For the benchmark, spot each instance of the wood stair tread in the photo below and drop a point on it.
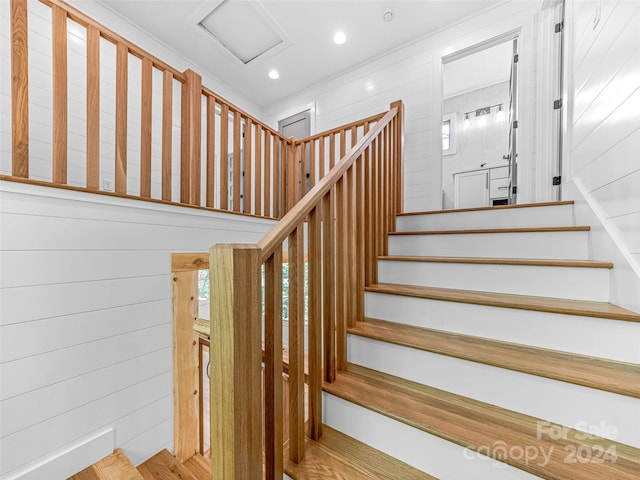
(509, 300)
(496, 207)
(199, 466)
(608, 375)
(477, 425)
(112, 467)
(579, 228)
(164, 466)
(340, 457)
(499, 261)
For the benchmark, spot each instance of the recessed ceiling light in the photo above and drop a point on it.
(274, 75)
(339, 38)
(388, 15)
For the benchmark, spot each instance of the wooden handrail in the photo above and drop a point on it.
(274, 238)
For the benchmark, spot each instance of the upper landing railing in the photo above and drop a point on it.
(127, 124)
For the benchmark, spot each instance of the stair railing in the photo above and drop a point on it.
(217, 141)
(342, 224)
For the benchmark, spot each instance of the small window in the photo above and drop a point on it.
(446, 135)
(449, 134)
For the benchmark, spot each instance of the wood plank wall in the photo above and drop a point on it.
(85, 321)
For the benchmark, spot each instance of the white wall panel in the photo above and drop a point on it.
(604, 123)
(85, 317)
(412, 73)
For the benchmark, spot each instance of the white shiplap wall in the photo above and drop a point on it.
(604, 121)
(413, 74)
(85, 317)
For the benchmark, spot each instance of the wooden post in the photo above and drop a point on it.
(190, 151)
(399, 155)
(185, 365)
(236, 355)
(19, 90)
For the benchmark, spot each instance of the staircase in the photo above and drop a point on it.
(162, 466)
(487, 348)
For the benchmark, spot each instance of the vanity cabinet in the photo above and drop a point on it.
(481, 187)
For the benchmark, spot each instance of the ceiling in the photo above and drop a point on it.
(309, 55)
(478, 70)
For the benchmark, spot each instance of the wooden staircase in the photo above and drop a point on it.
(162, 466)
(485, 353)
(468, 364)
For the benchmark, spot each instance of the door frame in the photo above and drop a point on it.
(507, 37)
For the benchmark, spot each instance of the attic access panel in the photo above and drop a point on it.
(245, 29)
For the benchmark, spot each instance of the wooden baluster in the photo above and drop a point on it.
(145, 128)
(392, 176)
(359, 214)
(277, 183)
(284, 154)
(342, 270)
(368, 210)
(211, 153)
(379, 199)
(296, 345)
(19, 89)
(237, 133)
(275, 189)
(321, 160)
(400, 154)
(258, 170)
(122, 78)
(167, 134)
(248, 134)
(315, 323)
(236, 419)
(60, 117)
(267, 174)
(190, 172)
(93, 108)
(273, 415)
(350, 266)
(329, 285)
(312, 164)
(354, 247)
(332, 150)
(387, 195)
(224, 157)
(303, 170)
(343, 143)
(293, 174)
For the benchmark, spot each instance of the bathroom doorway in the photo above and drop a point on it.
(480, 125)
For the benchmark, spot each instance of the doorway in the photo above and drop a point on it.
(479, 125)
(299, 126)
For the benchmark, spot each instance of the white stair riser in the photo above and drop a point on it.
(612, 339)
(553, 216)
(560, 282)
(556, 401)
(424, 451)
(571, 245)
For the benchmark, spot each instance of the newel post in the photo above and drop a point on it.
(399, 153)
(190, 144)
(236, 356)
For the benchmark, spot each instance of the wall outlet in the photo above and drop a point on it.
(107, 185)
